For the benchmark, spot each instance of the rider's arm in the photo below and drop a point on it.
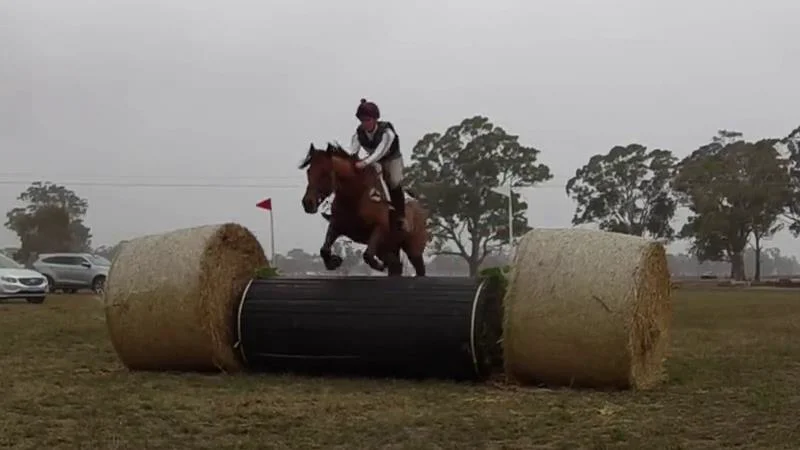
(355, 146)
(383, 147)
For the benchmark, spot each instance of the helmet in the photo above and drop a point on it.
(368, 109)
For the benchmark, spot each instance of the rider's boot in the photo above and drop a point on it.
(399, 204)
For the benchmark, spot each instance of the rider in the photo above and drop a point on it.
(380, 140)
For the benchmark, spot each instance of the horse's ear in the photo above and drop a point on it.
(305, 161)
(307, 158)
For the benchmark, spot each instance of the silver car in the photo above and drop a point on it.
(18, 282)
(72, 271)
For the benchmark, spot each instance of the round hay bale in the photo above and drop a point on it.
(587, 308)
(170, 298)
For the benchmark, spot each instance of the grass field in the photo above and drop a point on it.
(734, 383)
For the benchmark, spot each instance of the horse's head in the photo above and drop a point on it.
(319, 174)
(322, 167)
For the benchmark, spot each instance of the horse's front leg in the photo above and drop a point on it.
(369, 256)
(332, 262)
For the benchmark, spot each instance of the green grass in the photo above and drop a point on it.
(734, 383)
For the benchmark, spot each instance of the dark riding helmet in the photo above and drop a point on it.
(367, 109)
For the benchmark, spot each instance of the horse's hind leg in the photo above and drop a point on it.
(418, 263)
(394, 263)
(414, 249)
(415, 241)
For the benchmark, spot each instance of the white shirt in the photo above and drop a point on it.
(380, 150)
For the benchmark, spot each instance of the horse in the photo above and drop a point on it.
(360, 211)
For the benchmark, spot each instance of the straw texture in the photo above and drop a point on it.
(587, 308)
(170, 298)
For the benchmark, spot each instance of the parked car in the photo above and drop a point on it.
(72, 271)
(18, 282)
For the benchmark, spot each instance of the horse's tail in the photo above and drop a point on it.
(421, 210)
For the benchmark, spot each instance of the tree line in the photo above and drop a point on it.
(298, 262)
(737, 192)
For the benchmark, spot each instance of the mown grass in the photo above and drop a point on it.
(734, 383)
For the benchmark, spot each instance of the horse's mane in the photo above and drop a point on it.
(333, 149)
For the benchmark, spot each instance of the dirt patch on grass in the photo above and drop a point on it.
(734, 382)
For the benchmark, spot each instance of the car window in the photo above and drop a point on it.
(56, 260)
(99, 260)
(66, 260)
(8, 263)
(77, 260)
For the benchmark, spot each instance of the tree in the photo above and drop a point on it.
(771, 261)
(456, 173)
(763, 228)
(734, 189)
(627, 190)
(792, 145)
(52, 220)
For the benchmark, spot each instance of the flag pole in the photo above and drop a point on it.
(267, 204)
(272, 235)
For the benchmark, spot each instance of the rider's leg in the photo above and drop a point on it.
(378, 166)
(393, 174)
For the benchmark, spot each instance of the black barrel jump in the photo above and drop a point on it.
(421, 327)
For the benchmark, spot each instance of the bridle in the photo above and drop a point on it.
(326, 201)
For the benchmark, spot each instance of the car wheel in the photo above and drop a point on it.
(50, 284)
(98, 285)
(35, 299)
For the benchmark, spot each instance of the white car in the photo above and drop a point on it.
(18, 282)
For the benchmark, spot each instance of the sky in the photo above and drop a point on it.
(119, 99)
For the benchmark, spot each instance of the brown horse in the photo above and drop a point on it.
(360, 211)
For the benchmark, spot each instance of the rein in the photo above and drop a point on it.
(327, 201)
(335, 181)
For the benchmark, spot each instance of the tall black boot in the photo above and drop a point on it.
(399, 204)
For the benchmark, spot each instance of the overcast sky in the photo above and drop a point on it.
(116, 98)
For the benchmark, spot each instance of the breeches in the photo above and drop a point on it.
(392, 171)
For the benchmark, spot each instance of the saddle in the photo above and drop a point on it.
(379, 192)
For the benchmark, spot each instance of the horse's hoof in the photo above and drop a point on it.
(333, 262)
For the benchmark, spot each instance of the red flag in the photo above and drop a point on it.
(265, 204)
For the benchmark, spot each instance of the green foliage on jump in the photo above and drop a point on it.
(265, 272)
(492, 329)
(497, 276)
